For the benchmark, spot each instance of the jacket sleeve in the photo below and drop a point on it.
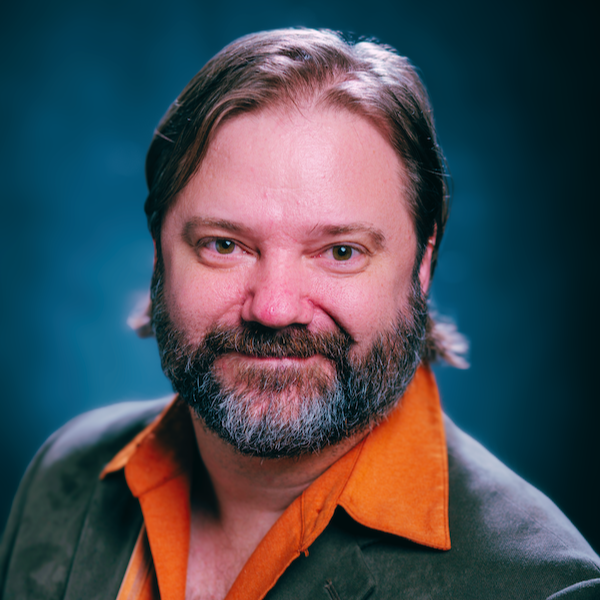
(584, 590)
(14, 520)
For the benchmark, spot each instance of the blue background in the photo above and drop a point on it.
(514, 89)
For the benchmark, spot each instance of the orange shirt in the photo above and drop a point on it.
(395, 480)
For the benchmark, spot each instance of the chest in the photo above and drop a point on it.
(215, 559)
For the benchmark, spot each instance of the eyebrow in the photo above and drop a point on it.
(196, 222)
(376, 235)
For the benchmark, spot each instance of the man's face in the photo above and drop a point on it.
(287, 280)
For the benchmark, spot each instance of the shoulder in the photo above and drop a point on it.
(73, 457)
(508, 540)
(61, 497)
(507, 514)
(96, 436)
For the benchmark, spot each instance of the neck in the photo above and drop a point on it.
(244, 485)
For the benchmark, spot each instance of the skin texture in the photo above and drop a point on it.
(284, 179)
(295, 217)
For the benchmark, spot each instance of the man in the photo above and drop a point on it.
(297, 202)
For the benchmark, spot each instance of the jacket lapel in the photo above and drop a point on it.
(333, 570)
(107, 539)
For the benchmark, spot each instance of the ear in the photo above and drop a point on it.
(155, 256)
(425, 268)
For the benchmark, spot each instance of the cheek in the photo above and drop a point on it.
(367, 306)
(196, 301)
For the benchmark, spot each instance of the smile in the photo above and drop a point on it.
(236, 357)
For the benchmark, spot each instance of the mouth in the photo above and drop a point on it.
(287, 376)
(280, 361)
(235, 364)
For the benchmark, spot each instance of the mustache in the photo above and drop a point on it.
(258, 341)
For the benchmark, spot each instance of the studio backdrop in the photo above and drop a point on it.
(514, 90)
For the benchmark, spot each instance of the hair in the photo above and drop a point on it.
(318, 68)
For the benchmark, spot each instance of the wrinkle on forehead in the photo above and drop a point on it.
(306, 122)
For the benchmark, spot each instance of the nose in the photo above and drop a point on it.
(276, 296)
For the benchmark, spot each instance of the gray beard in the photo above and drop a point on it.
(292, 410)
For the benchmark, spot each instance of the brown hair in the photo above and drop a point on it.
(291, 66)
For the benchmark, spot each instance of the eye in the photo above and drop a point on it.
(342, 253)
(224, 246)
(345, 258)
(215, 248)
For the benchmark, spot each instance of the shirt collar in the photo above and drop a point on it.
(395, 480)
(399, 483)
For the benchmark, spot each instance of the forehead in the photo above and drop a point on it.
(291, 144)
(296, 168)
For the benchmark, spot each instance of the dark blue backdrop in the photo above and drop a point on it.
(515, 93)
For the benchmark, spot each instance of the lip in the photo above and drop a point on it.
(274, 360)
(229, 365)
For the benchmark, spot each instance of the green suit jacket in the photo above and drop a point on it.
(70, 535)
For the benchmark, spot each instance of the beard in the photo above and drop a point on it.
(297, 407)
